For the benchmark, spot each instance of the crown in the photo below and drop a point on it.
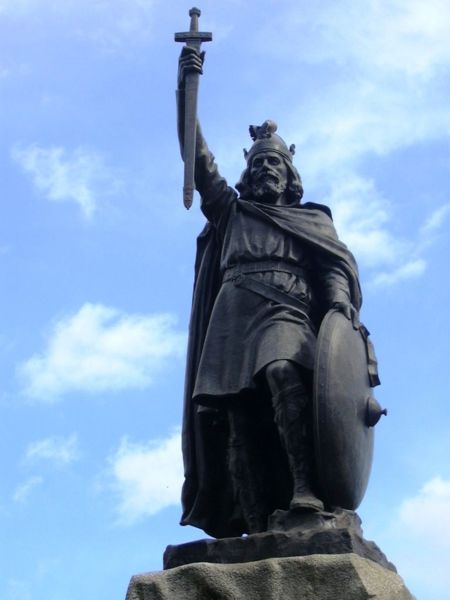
(266, 140)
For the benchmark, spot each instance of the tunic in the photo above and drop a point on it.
(247, 331)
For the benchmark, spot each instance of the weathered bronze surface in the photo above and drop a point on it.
(278, 410)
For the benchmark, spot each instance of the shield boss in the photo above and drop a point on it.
(342, 400)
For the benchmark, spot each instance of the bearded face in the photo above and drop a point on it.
(268, 177)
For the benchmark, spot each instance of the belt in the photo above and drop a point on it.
(260, 266)
(238, 274)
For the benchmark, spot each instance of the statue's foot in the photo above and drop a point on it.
(307, 502)
(256, 524)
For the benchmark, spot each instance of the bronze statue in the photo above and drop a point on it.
(269, 269)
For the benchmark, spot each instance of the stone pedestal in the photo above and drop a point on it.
(315, 577)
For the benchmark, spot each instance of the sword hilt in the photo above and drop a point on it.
(194, 37)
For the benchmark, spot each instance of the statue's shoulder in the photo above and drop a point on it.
(316, 206)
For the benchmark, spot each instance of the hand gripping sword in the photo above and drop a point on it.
(193, 39)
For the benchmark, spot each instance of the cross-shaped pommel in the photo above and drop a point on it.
(194, 37)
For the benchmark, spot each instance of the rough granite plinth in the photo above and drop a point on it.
(316, 577)
(291, 533)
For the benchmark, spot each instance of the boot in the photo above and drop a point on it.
(294, 427)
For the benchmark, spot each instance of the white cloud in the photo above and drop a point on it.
(24, 490)
(420, 539)
(427, 515)
(436, 220)
(409, 270)
(58, 450)
(147, 477)
(80, 176)
(361, 217)
(101, 349)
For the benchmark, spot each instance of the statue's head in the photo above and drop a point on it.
(270, 175)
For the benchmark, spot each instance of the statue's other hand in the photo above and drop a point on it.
(191, 61)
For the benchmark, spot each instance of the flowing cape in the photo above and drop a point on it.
(207, 495)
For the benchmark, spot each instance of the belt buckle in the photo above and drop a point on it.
(238, 278)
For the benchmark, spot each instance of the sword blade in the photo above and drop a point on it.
(190, 127)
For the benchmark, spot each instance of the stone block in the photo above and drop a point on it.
(315, 577)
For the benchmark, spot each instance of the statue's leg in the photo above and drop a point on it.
(292, 408)
(246, 471)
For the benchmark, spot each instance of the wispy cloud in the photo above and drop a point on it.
(388, 36)
(80, 176)
(60, 451)
(361, 216)
(408, 257)
(24, 490)
(101, 349)
(436, 220)
(409, 270)
(363, 220)
(147, 477)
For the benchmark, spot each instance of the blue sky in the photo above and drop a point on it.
(96, 255)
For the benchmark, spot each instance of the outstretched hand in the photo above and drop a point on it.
(191, 61)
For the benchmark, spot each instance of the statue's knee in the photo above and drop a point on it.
(281, 373)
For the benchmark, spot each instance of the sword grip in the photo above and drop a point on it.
(194, 13)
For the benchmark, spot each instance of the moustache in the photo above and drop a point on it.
(267, 175)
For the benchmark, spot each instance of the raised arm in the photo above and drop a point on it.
(214, 190)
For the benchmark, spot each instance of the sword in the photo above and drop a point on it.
(193, 39)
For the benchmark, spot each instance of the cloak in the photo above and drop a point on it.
(207, 494)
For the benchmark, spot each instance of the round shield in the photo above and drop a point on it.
(342, 401)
